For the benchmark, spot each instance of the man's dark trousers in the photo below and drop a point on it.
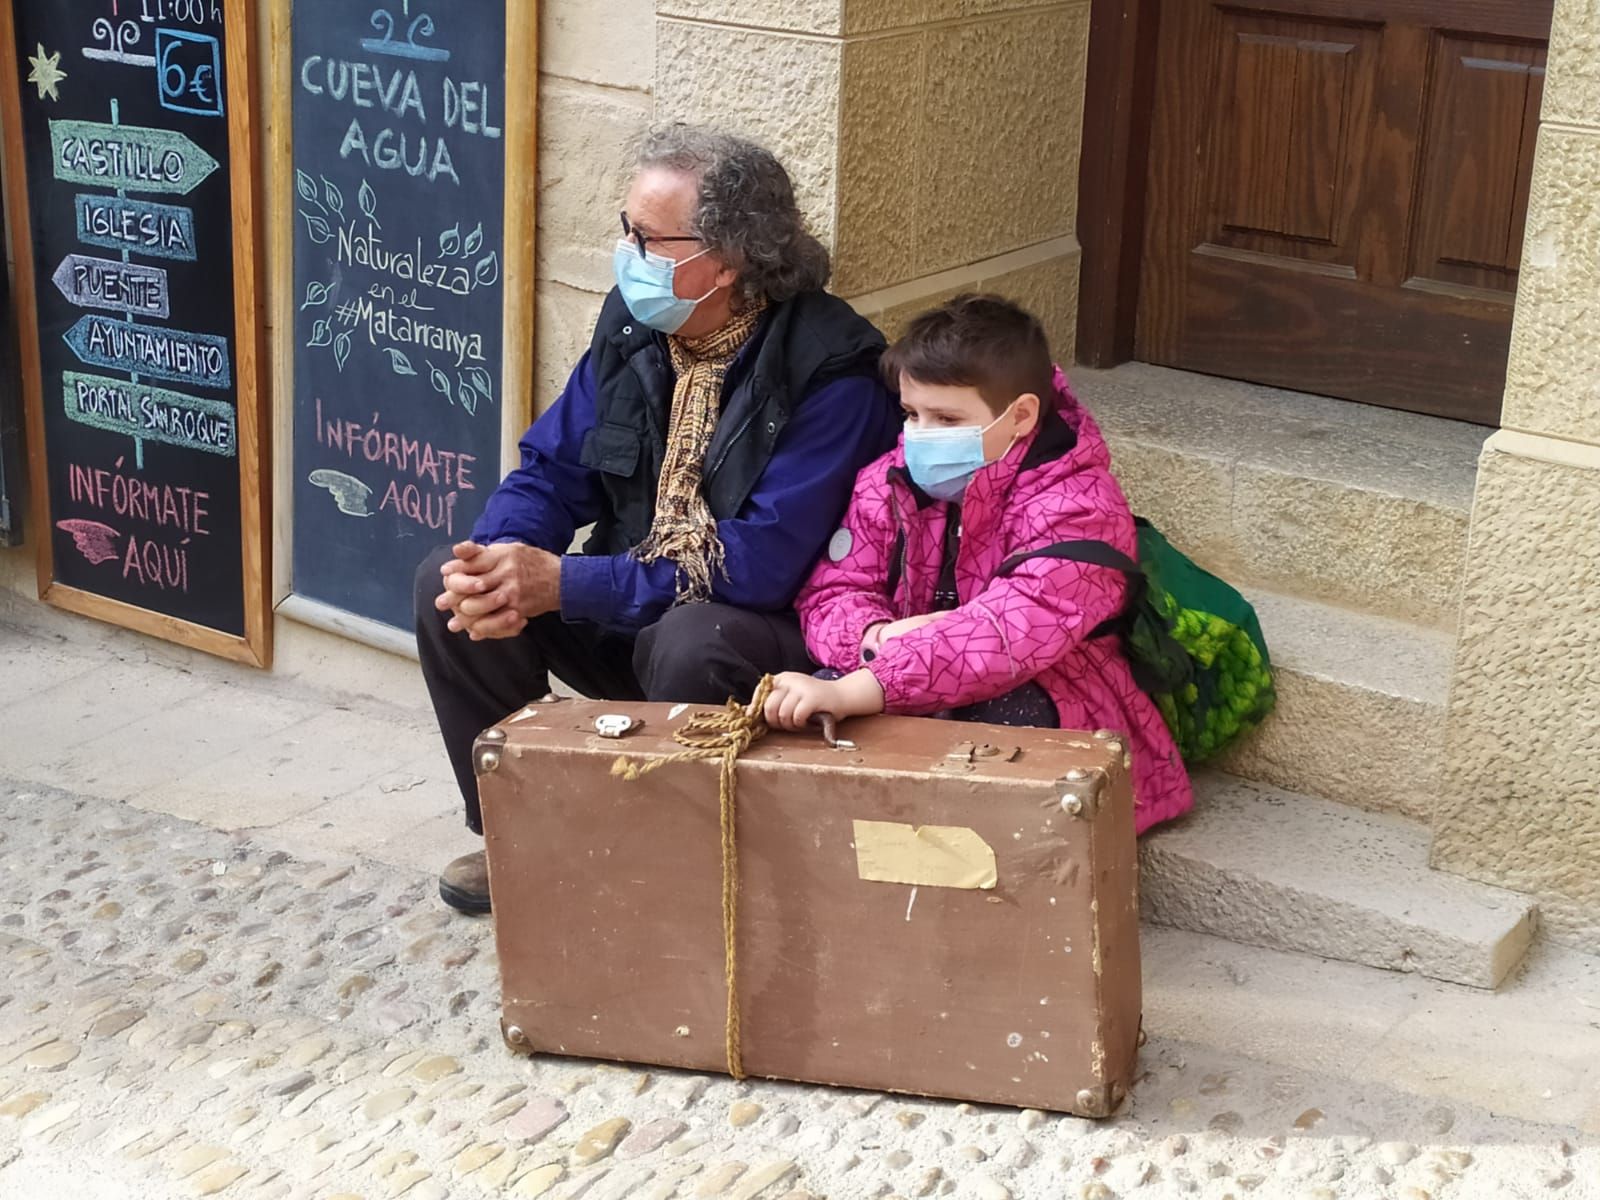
(696, 654)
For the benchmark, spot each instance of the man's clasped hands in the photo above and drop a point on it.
(494, 591)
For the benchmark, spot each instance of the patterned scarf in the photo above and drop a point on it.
(684, 529)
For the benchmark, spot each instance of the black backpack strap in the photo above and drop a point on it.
(897, 564)
(1097, 554)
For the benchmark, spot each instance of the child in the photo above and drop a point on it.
(911, 609)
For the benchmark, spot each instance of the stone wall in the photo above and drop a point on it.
(934, 143)
(1522, 794)
(596, 78)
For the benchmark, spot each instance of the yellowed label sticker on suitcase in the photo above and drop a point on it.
(924, 855)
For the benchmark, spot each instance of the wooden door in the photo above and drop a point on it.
(1337, 191)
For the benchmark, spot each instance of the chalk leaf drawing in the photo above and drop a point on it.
(440, 382)
(474, 242)
(400, 363)
(468, 395)
(334, 197)
(480, 380)
(368, 199)
(488, 268)
(317, 228)
(321, 333)
(307, 189)
(348, 492)
(450, 241)
(316, 293)
(341, 349)
(95, 541)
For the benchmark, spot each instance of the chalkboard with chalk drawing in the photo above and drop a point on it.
(401, 147)
(138, 259)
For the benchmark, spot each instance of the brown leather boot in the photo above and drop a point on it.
(464, 884)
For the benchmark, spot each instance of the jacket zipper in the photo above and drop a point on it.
(728, 449)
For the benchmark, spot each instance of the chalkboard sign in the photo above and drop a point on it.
(137, 273)
(401, 147)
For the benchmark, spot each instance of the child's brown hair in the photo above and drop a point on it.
(978, 341)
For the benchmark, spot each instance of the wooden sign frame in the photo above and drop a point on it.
(12, 509)
(255, 647)
(518, 305)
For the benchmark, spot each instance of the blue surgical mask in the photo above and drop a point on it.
(646, 287)
(942, 462)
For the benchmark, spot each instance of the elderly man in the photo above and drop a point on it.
(711, 435)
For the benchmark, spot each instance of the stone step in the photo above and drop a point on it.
(1361, 707)
(1303, 495)
(1288, 872)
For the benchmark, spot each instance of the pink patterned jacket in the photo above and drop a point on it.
(1054, 486)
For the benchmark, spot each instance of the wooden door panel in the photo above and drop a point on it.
(1389, 348)
(1337, 194)
(1484, 103)
(1296, 93)
(1383, 258)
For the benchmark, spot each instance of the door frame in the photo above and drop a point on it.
(1119, 88)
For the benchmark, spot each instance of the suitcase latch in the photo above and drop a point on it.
(964, 756)
(615, 725)
(958, 758)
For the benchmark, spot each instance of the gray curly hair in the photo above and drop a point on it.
(746, 211)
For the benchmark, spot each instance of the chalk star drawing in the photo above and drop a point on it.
(46, 73)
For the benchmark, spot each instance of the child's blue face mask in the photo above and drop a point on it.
(943, 461)
(646, 287)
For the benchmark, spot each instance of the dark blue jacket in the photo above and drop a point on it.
(799, 441)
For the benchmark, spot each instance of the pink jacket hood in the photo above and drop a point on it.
(1054, 486)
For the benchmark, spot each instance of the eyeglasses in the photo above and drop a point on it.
(640, 240)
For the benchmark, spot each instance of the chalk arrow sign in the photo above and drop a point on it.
(92, 282)
(200, 358)
(133, 157)
(142, 410)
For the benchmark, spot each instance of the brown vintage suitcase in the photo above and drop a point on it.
(942, 908)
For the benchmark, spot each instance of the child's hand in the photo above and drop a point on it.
(796, 698)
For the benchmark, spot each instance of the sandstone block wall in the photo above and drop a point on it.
(1522, 790)
(597, 65)
(1521, 805)
(934, 142)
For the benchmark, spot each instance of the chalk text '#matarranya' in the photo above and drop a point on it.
(463, 106)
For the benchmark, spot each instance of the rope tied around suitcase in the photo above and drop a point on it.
(724, 736)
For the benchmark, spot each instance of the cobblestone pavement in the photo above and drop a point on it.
(188, 1012)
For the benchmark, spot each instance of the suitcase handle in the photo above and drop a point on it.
(830, 732)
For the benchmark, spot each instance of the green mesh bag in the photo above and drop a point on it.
(1193, 642)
